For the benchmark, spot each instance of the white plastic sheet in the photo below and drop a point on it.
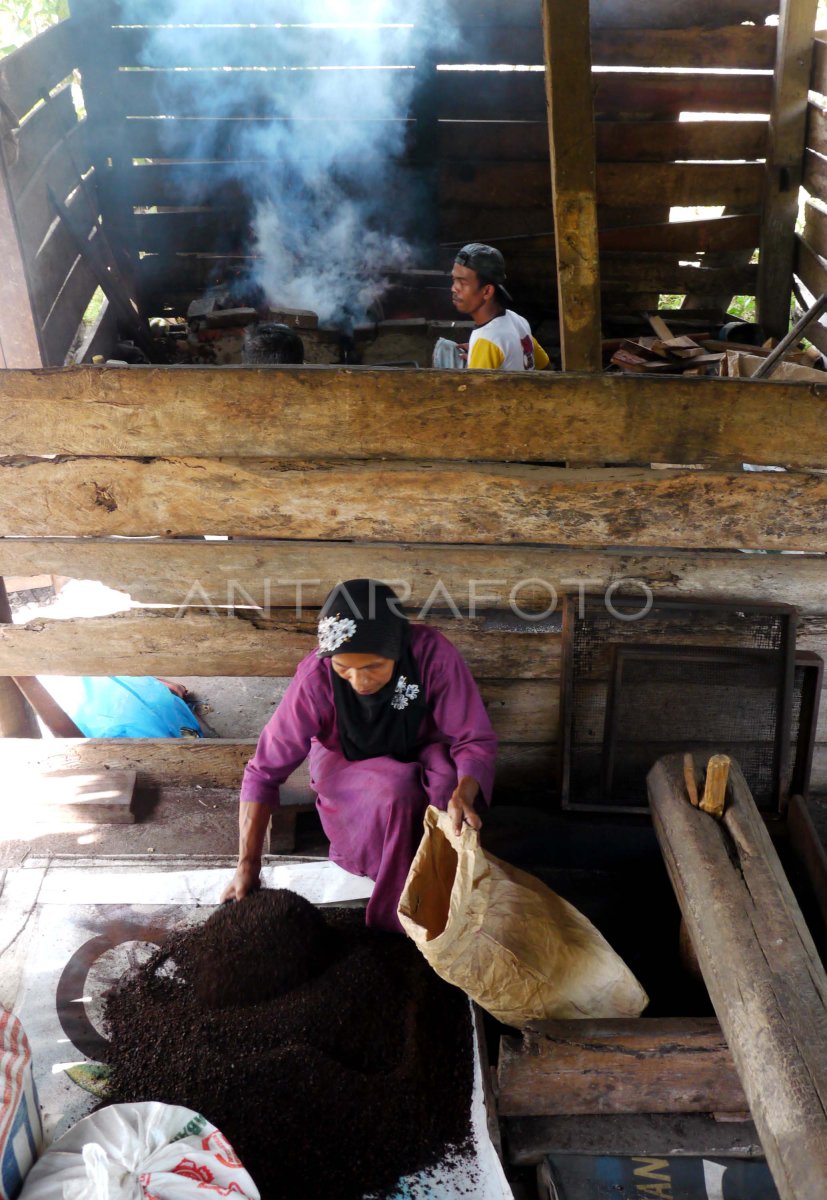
(92, 905)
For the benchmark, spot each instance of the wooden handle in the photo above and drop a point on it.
(717, 776)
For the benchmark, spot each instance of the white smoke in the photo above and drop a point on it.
(321, 160)
(332, 265)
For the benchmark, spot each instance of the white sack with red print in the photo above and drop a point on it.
(140, 1152)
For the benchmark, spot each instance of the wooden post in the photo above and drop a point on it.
(56, 720)
(572, 142)
(20, 344)
(16, 717)
(785, 162)
(760, 966)
(717, 777)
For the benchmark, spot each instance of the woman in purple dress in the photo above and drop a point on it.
(392, 721)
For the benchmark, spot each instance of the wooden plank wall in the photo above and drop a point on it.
(48, 149)
(319, 474)
(495, 154)
(477, 143)
(811, 257)
(181, 188)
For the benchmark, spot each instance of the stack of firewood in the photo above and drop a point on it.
(700, 354)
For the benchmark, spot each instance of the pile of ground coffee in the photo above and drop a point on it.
(332, 1057)
(278, 927)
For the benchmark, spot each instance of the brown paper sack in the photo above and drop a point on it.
(518, 949)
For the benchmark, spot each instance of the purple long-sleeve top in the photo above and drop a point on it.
(456, 717)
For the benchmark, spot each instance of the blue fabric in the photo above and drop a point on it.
(131, 706)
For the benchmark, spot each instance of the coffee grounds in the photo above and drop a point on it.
(252, 932)
(331, 1056)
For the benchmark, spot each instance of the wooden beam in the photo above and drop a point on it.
(643, 272)
(17, 720)
(674, 14)
(671, 141)
(737, 47)
(76, 796)
(627, 95)
(52, 266)
(94, 47)
(312, 413)
(810, 268)
(20, 340)
(688, 237)
(761, 969)
(573, 181)
(216, 762)
(808, 851)
(651, 1065)
(788, 123)
(282, 574)
(634, 184)
(154, 643)
(486, 504)
(510, 185)
(818, 75)
(98, 257)
(58, 170)
(47, 708)
(659, 1135)
(61, 326)
(815, 228)
(29, 73)
(37, 137)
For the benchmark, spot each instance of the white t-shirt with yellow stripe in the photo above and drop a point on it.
(505, 344)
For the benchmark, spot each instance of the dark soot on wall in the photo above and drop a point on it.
(332, 1057)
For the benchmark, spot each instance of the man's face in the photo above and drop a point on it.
(467, 292)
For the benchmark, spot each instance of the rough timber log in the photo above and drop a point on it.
(760, 966)
(219, 762)
(319, 413)
(194, 642)
(422, 502)
(653, 1065)
(284, 574)
(16, 717)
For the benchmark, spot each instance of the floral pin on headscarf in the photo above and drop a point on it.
(334, 632)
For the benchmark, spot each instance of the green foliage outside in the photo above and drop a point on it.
(741, 307)
(21, 20)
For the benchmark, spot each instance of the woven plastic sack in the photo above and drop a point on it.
(143, 1151)
(519, 950)
(447, 355)
(21, 1131)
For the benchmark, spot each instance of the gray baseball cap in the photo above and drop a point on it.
(487, 262)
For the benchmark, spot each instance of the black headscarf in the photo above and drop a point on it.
(363, 616)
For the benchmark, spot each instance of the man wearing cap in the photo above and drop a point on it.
(501, 340)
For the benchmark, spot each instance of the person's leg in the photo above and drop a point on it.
(372, 813)
(376, 834)
(402, 834)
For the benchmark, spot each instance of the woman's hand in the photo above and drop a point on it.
(246, 880)
(461, 805)
(253, 820)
